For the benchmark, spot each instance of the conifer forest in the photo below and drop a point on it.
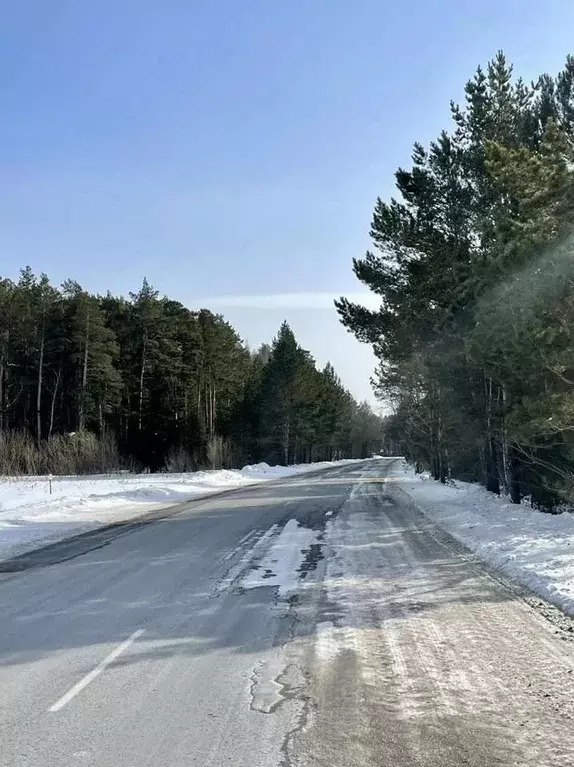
(93, 383)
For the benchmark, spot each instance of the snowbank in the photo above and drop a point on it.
(30, 516)
(535, 549)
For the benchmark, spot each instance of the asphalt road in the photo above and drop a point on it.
(321, 620)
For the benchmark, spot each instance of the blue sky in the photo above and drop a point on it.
(233, 148)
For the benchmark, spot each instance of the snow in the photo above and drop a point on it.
(31, 516)
(281, 566)
(533, 548)
(255, 544)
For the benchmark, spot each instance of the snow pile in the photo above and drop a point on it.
(30, 515)
(535, 549)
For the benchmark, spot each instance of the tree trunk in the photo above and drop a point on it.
(286, 436)
(515, 490)
(127, 418)
(440, 452)
(509, 459)
(2, 389)
(4, 379)
(54, 395)
(490, 452)
(82, 415)
(142, 373)
(207, 408)
(506, 460)
(491, 467)
(39, 392)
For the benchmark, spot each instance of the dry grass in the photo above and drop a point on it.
(77, 453)
(179, 460)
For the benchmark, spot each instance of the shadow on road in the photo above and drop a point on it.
(179, 576)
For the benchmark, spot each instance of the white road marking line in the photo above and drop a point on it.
(94, 673)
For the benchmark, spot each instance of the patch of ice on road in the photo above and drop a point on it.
(281, 565)
(260, 542)
(266, 690)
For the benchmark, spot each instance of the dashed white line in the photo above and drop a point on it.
(94, 673)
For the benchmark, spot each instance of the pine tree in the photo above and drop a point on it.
(473, 272)
(285, 396)
(91, 383)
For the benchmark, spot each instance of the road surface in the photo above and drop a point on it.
(320, 620)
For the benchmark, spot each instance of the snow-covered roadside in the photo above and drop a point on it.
(533, 548)
(30, 516)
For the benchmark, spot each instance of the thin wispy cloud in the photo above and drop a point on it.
(320, 300)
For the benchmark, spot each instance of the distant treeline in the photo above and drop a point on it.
(90, 383)
(474, 267)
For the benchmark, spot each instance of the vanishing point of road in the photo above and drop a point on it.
(317, 620)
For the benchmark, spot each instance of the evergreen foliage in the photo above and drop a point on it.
(87, 382)
(474, 266)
